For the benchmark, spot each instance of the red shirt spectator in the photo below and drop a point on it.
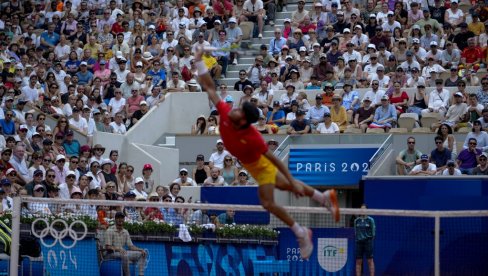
(471, 54)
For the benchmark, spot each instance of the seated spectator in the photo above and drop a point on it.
(482, 168)
(451, 169)
(176, 84)
(327, 126)
(440, 155)
(300, 125)
(214, 179)
(184, 180)
(478, 133)
(408, 158)
(445, 131)
(385, 115)
(364, 115)
(200, 127)
(139, 188)
(454, 114)
(276, 116)
(438, 99)
(262, 127)
(242, 82)
(225, 218)
(315, 114)
(467, 159)
(118, 126)
(153, 213)
(424, 168)
(338, 112)
(243, 179)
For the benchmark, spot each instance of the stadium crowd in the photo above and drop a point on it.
(101, 65)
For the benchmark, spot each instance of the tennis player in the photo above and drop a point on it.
(243, 141)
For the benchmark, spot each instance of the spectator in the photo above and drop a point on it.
(479, 134)
(118, 126)
(253, 10)
(385, 115)
(467, 159)
(438, 99)
(300, 125)
(440, 155)
(424, 168)
(327, 126)
(276, 116)
(338, 112)
(139, 188)
(482, 168)
(445, 131)
(223, 57)
(200, 171)
(316, 113)
(452, 170)
(184, 180)
(364, 115)
(217, 158)
(225, 218)
(215, 179)
(67, 185)
(408, 158)
(117, 239)
(454, 114)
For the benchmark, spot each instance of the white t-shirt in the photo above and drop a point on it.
(117, 105)
(30, 94)
(333, 128)
(418, 168)
(81, 124)
(188, 180)
(218, 158)
(118, 129)
(249, 6)
(456, 172)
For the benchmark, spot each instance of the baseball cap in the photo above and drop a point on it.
(138, 180)
(147, 167)
(83, 63)
(229, 99)
(318, 97)
(458, 94)
(37, 172)
(70, 173)
(130, 194)
(60, 157)
(424, 157)
(219, 141)
(183, 170)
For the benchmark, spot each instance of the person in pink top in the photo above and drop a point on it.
(103, 72)
(133, 103)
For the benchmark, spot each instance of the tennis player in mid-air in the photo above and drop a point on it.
(243, 141)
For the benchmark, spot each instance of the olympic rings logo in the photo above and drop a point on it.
(59, 235)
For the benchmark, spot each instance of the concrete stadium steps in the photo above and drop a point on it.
(244, 61)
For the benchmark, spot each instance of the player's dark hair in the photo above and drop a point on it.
(250, 112)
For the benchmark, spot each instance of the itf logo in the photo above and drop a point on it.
(332, 253)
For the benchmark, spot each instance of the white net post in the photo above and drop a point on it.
(437, 242)
(14, 253)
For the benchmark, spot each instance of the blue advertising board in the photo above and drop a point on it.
(323, 166)
(406, 244)
(333, 252)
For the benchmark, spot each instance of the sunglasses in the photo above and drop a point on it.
(12, 174)
(411, 143)
(183, 173)
(50, 176)
(242, 174)
(110, 186)
(167, 200)
(473, 143)
(130, 170)
(154, 200)
(39, 190)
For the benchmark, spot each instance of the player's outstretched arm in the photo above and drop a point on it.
(204, 77)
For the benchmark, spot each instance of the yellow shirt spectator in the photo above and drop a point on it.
(338, 113)
(476, 27)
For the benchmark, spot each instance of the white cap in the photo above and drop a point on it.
(70, 173)
(458, 94)
(139, 63)
(218, 21)
(358, 27)
(243, 171)
(118, 54)
(83, 63)
(372, 46)
(416, 27)
(138, 180)
(232, 20)
(200, 23)
(151, 27)
(9, 171)
(390, 13)
(303, 49)
(219, 141)
(184, 170)
(287, 20)
(415, 40)
(143, 103)
(60, 157)
(23, 127)
(433, 43)
(106, 161)
(346, 30)
(316, 44)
